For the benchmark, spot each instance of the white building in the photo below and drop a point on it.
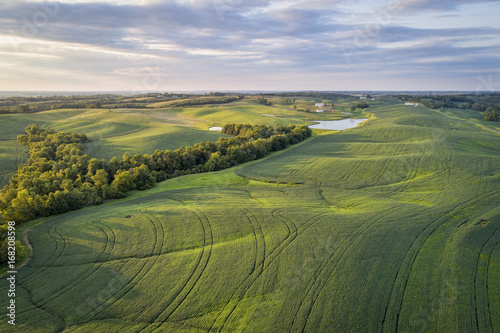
(410, 104)
(319, 105)
(320, 111)
(363, 97)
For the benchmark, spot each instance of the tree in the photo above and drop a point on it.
(261, 147)
(21, 108)
(362, 105)
(94, 165)
(143, 178)
(480, 106)
(67, 185)
(96, 105)
(491, 114)
(263, 100)
(114, 166)
(123, 182)
(90, 194)
(214, 162)
(353, 108)
(23, 206)
(20, 252)
(100, 180)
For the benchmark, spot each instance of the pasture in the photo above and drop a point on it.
(389, 227)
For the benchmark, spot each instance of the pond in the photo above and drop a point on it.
(337, 125)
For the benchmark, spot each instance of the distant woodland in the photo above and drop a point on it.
(486, 103)
(108, 101)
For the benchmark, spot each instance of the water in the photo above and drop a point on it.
(338, 125)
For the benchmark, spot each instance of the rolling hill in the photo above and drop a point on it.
(392, 226)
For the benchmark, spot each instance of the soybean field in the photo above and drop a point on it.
(393, 226)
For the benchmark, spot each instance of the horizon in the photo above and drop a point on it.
(251, 91)
(354, 93)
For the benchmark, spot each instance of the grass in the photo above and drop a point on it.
(11, 154)
(116, 131)
(112, 132)
(395, 228)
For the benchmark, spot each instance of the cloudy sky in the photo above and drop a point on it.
(179, 45)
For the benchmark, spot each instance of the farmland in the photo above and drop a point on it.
(115, 131)
(389, 227)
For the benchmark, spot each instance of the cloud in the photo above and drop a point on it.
(442, 5)
(237, 40)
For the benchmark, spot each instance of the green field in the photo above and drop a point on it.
(116, 131)
(389, 227)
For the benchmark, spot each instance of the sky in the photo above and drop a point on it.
(234, 45)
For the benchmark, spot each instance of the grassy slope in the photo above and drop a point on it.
(114, 132)
(395, 229)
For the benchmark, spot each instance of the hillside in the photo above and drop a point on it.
(389, 227)
(115, 131)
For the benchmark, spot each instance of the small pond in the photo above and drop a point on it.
(338, 125)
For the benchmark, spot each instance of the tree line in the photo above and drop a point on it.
(40, 104)
(362, 105)
(108, 101)
(204, 101)
(486, 103)
(311, 94)
(59, 177)
(262, 100)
